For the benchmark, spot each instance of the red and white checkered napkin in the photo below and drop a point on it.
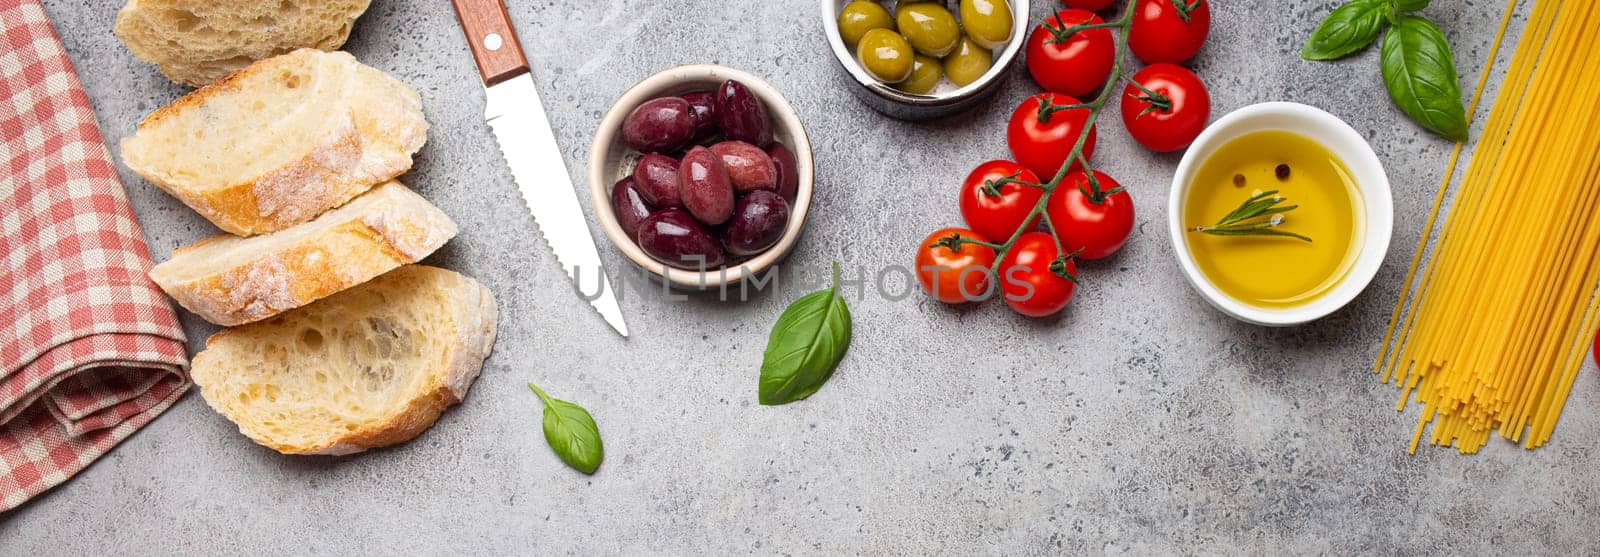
(89, 348)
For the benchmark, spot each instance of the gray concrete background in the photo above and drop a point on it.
(1140, 421)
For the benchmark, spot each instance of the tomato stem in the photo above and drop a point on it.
(1122, 24)
(1091, 189)
(1060, 33)
(1048, 108)
(991, 188)
(955, 241)
(1184, 8)
(1058, 266)
(1153, 101)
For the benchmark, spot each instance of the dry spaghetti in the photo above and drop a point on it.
(1493, 336)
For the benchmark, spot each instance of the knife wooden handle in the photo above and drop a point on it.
(494, 42)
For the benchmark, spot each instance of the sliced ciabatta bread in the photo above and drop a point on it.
(196, 42)
(230, 280)
(279, 142)
(367, 367)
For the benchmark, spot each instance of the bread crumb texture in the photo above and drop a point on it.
(368, 367)
(196, 42)
(229, 280)
(279, 142)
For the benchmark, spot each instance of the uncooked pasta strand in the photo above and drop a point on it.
(1491, 334)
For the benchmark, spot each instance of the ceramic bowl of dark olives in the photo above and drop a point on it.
(921, 59)
(701, 175)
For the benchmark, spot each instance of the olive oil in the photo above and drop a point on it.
(1276, 271)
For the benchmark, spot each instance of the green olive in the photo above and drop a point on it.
(930, 28)
(885, 55)
(861, 16)
(925, 74)
(967, 63)
(901, 5)
(988, 22)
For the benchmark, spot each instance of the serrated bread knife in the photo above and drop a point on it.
(518, 121)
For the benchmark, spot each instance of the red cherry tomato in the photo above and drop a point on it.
(1031, 286)
(1170, 119)
(1168, 30)
(1597, 349)
(1088, 4)
(1076, 64)
(954, 276)
(1041, 140)
(1097, 227)
(997, 212)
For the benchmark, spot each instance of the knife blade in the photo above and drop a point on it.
(522, 131)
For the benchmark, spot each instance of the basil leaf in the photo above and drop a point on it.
(571, 432)
(1347, 30)
(805, 346)
(1410, 5)
(1421, 77)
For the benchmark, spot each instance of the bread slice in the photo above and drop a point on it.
(196, 42)
(368, 367)
(281, 141)
(230, 280)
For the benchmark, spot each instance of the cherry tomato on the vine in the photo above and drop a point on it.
(1170, 109)
(1075, 64)
(1041, 134)
(1088, 4)
(998, 211)
(1036, 280)
(958, 275)
(1168, 30)
(1097, 227)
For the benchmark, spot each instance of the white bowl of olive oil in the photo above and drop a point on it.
(1280, 214)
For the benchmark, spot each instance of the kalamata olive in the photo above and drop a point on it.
(672, 236)
(704, 186)
(741, 115)
(659, 125)
(703, 110)
(758, 222)
(749, 167)
(656, 178)
(629, 207)
(788, 174)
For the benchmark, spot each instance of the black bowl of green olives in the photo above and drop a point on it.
(921, 59)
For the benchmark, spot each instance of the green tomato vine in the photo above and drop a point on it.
(1120, 26)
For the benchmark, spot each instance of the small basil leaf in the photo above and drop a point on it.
(1421, 77)
(572, 433)
(1347, 30)
(805, 346)
(1410, 5)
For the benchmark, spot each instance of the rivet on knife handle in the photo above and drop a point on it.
(493, 40)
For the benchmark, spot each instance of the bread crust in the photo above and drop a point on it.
(197, 60)
(369, 138)
(367, 243)
(470, 341)
(290, 195)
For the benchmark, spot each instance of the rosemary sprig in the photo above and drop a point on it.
(1259, 215)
